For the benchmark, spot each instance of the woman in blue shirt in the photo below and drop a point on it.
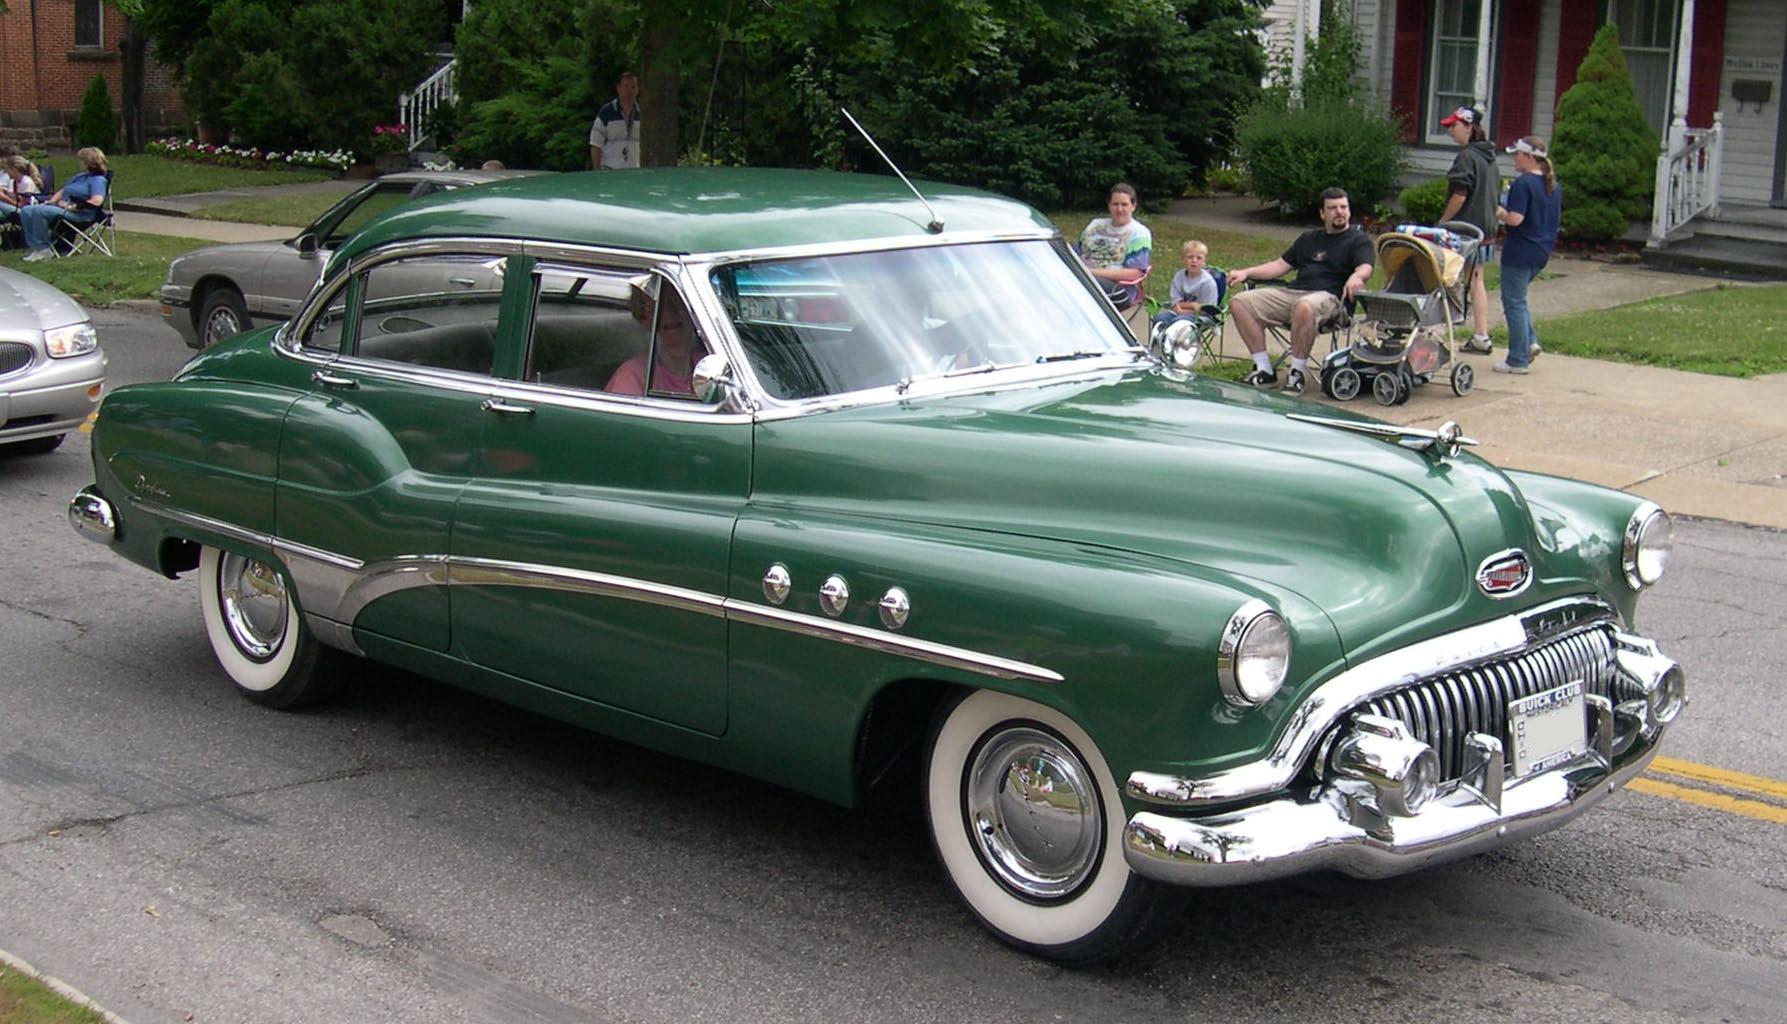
(80, 201)
(1530, 217)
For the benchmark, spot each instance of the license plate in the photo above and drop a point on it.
(1547, 729)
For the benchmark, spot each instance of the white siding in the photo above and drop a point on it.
(1280, 30)
(1754, 30)
(1545, 74)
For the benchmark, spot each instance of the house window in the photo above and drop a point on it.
(89, 26)
(1647, 35)
(1454, 60)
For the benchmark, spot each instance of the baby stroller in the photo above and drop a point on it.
(1403, 334)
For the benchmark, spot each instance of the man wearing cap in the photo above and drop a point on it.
(1472, 186)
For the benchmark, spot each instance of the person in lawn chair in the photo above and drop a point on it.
(1196, 290)
(80, 201)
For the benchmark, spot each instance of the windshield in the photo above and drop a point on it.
(825, 325)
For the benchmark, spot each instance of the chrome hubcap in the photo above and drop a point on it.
(252, 597)
(1034, 814)
(222, 324)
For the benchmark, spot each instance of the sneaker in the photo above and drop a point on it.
(1534, 351)
(1503, 366)
(1293, 383)
(1480, 346)
(1261, 379)
(38, 254)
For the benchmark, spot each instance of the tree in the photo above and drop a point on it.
(1604, 152)
(96, 125)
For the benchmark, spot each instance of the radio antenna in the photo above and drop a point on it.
(936, 224)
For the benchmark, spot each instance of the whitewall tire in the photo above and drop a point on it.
(256, 632)
(1027, 822)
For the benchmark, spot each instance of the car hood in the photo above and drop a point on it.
(27, 304)
(235, 256)
(1385, 539)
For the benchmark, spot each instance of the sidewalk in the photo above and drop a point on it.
(1696, 444)
(172, 215)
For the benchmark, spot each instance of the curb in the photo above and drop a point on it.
(60, 987)
(141, 206)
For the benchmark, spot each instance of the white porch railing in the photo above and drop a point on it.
(1687, 177)
(413, 107)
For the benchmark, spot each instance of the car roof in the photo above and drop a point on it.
(463, 176)
(686, 210)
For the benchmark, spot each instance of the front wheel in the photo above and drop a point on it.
(1026, 820)
(223, 316)
(257, 634)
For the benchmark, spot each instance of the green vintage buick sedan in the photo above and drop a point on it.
(807, 476)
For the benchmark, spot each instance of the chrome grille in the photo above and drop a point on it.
(1443, 710)
(14, 355)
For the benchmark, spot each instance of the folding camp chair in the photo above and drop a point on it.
(96, 235)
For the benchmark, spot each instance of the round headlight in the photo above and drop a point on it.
(1254, 655)
(1645, 553)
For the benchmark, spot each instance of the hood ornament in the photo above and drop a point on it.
(1447, 440)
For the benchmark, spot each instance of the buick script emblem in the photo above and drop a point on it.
(1505, 574)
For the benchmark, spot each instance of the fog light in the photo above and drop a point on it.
(1403, 771)
(1666, 697)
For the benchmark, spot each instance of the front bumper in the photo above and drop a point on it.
(52, 398)
(176, 309)
(1335, 827)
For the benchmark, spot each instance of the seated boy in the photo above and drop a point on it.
(1192, 289)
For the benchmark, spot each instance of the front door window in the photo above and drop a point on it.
(1454, 61)
(1647, 36)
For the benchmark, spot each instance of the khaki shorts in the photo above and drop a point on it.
(1273, 305)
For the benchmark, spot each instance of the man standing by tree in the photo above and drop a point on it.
(614, 136)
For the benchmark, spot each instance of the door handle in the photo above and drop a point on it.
(505, 409)
(328, 380)
(465, 282)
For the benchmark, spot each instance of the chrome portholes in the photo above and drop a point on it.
(834, 595)
(895, 608)
(776, 584)
(1033, 812)
(253, 601)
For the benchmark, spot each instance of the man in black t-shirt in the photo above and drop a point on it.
(1332, 262)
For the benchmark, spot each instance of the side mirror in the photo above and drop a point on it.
(1177, 344)
(307, 245)
(712, 378)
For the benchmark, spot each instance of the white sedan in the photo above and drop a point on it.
(51, 368)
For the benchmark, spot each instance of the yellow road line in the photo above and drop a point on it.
(1722, 777)
(1717, 801)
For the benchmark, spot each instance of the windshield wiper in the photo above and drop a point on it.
(1061, 357)
(986, 367)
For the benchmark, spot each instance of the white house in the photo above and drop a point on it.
(1707, 74)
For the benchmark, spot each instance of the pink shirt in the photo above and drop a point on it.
(630, 378)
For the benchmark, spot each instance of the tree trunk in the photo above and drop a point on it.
(133, 51)
(658, 79)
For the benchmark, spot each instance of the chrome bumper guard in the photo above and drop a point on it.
(92, 516)
(1358, 824)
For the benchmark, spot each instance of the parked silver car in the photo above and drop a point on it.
(51, 368)
(222, 290)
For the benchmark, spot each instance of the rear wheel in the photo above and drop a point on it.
(257, 634)
(1463, 379)
(1026, 819)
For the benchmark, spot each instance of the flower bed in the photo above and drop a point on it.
(232, 156)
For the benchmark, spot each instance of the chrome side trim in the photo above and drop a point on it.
(330, 633)
(887, 643)
(490, 572)
(1305, 726)
(206, 523)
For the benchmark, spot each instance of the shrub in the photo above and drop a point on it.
(527, 89)
(1604, 152)
(1424, 203)
(267, 111)
(1298, 140)
(1292, 154)
(96, 125)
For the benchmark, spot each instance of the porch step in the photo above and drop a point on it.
(1725, 256)
(1747, 230)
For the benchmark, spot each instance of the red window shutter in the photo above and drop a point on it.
(1408, 74)
(1575, 30)
(1708, 60)
(1512, 116)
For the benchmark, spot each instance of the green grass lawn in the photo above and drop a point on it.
(296, 210)
(135, 273)
(142, 176)
(1733, 331)
(24, 1000)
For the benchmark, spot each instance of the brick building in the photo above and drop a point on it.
(50, 50)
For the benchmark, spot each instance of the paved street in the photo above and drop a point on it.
(413, 853)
